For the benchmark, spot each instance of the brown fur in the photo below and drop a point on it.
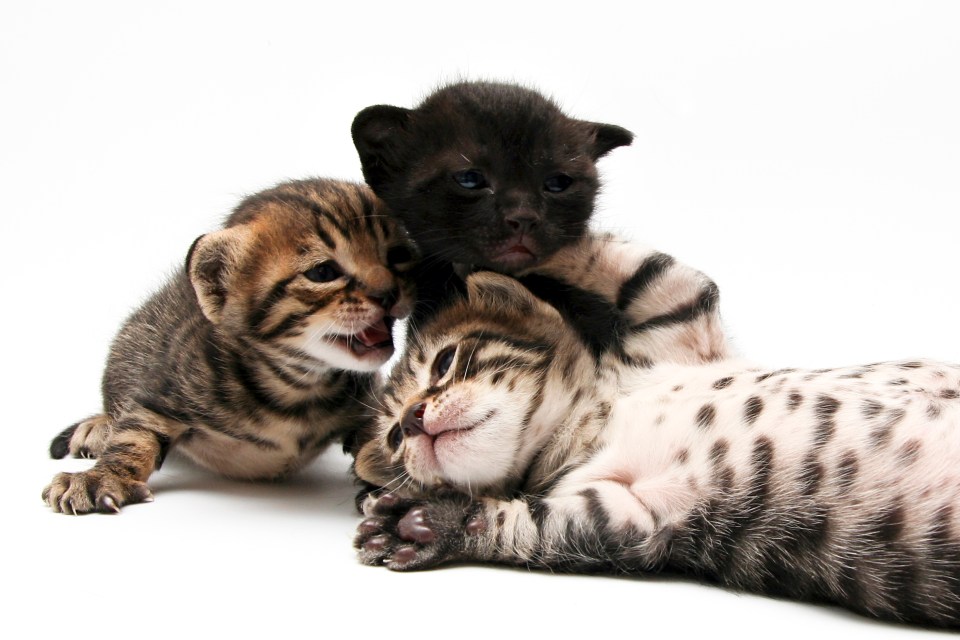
(254, 357)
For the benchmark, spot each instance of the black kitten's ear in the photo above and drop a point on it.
(503, 292)
(210, 262)
(378, 133)
(607, 137)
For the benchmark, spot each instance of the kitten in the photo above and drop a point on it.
(629, 305)
(495, 176)
(828, 485)
(483, 175)
(257, 355)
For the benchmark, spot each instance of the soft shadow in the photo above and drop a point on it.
(325, 487)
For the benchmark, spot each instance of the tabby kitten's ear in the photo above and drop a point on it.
(209, 263)
(488, 288)
(378, 133)
(607, 137)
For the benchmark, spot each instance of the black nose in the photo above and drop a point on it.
(385, 300)
(412, 422)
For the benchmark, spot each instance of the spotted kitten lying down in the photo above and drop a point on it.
(512, 444)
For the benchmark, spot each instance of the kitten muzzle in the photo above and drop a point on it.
(515, 254)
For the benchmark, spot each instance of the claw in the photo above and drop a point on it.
(107, 502)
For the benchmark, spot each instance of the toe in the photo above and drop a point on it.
(414, 527)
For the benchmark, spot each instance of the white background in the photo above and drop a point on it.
(806, 155)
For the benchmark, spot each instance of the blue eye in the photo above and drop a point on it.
(557, 183)
(324, 272)
(470, 179)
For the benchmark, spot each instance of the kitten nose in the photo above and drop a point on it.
(523, 221)
(385, 300)
(412, 422)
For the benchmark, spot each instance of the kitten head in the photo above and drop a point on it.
(312, 268)
(466, 405)
(485, 174)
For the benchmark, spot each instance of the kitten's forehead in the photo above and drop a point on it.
(352, 207)
(496, 119)
(300, 217)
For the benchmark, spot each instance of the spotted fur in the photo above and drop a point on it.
(627, 305)
(255, 356)
(511, 444)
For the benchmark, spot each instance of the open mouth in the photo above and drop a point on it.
(373, 339)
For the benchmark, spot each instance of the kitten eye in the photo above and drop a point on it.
(395, 437)
(470, 179)
(324, 272)
(557, 183)
(398, 255)
(442, 363)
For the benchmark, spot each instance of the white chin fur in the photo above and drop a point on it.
(487, 453)
(339, 356)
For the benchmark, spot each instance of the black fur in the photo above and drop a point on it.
(517, 140)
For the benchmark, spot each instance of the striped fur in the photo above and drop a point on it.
(516, 447)
(255, 356)
(628, 306)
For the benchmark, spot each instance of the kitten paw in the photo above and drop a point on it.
(93, 490)
(407, 535)
(85, 439)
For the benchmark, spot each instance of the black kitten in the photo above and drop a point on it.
(485, 175)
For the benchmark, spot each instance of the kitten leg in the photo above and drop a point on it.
(85, 439)
(670, 312)
(137, 445)
(572, 532)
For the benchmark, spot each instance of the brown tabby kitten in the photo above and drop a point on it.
(257, 355)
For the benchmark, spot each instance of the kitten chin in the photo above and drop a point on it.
(485, 174)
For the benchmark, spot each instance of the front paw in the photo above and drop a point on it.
(93, 490)
(406, 535)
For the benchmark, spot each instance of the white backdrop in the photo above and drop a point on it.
(806, 155)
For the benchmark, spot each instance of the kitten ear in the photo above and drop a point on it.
(503, 292)
(607, 137)
(210, 261)
(378, 134)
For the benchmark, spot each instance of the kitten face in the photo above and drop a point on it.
(459, 406)
(485, 174)
(311, 267)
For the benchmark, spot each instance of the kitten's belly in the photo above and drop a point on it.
(263, 454)
(890, 432)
